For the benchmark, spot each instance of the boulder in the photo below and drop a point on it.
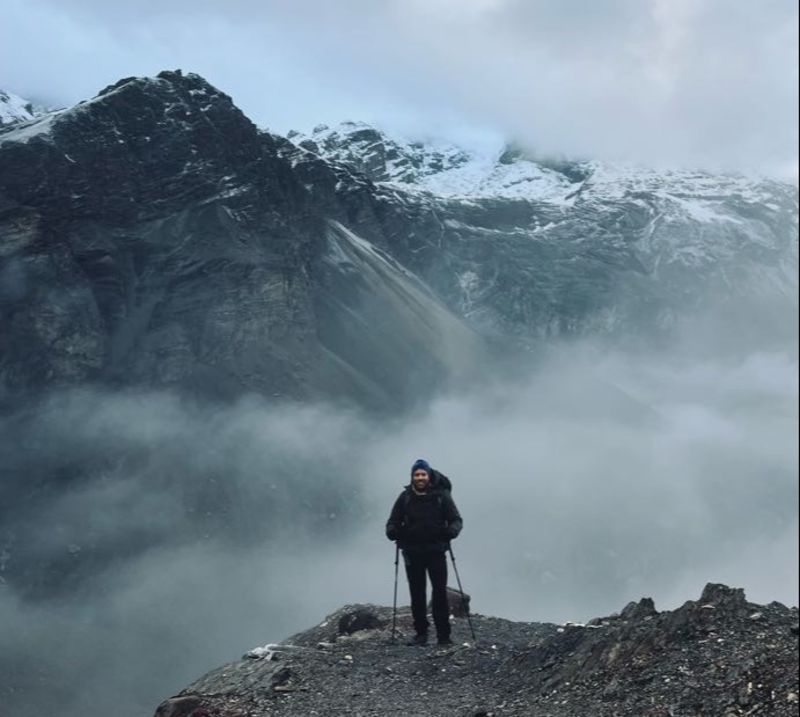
(362, 618)
(458, 603)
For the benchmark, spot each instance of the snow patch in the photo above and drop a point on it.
(38, 128)
(14, 108)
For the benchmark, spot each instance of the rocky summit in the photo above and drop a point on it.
(718, 656)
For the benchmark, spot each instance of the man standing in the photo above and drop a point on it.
(424, 520)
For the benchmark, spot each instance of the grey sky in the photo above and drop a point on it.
(700, 82)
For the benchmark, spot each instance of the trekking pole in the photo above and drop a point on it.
(461, 590)
(394, 604)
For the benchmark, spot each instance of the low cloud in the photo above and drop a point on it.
(607, 477)
(711, 83)
(181, 534)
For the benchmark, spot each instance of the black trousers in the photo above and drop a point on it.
(435, 565)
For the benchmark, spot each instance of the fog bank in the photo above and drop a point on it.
(177, 535)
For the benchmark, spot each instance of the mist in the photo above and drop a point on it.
(147, 537)
(181, 534)
(708, 83)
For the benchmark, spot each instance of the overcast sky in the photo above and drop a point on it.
(699, 82)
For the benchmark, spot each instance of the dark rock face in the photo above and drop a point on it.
(151, 250)
(726, 657)
(154, 236)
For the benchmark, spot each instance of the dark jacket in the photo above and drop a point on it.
(424, 523)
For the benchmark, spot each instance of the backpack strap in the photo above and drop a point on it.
(407, 500)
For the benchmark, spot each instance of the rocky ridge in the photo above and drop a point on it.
(716, 656)
(537, 248)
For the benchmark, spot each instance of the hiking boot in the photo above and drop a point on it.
(444, 642)
(418, 640)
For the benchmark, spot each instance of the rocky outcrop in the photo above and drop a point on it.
(719, 655)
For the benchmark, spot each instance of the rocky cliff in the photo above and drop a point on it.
(716, 656)
(154, 236)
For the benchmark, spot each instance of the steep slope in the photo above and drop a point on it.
(382, 322)
(719, 655)
(153, 235)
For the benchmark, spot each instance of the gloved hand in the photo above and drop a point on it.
(449, 533)
(394, 532)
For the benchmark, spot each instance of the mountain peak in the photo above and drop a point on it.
(444, 168)
(380, 156)
(135, 105)
(174, 78)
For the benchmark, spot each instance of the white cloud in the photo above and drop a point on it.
(710, 83)
(192, 533)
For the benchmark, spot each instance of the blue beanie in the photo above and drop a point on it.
(421, 463)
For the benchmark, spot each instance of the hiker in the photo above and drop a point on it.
(424, 520)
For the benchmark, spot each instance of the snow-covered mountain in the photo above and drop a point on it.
(588, 246)
(511, 172)
(153, 234)
(439, 167)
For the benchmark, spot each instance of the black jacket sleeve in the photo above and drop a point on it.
(452, 517)
(394, 526)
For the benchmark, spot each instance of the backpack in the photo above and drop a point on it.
(441, 480)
